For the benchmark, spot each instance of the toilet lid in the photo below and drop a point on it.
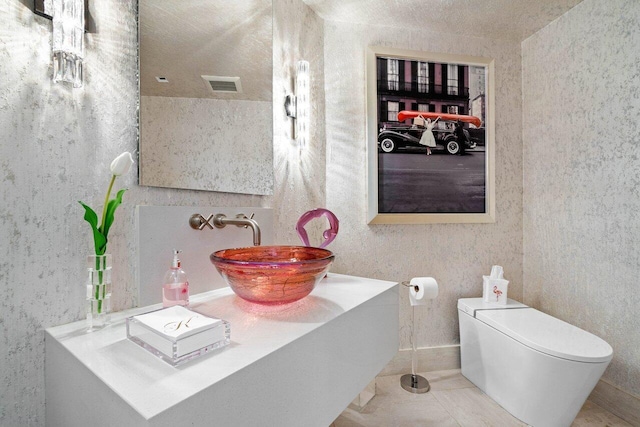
(547, 334)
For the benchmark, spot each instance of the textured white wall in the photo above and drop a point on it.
(457, 255)
(206, 144)
(55, 147)
(581, 132)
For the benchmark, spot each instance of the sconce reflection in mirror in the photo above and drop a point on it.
(68, 37)
(298, 105)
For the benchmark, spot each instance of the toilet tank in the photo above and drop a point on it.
(542, 378)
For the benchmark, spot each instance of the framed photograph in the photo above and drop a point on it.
(430, 137)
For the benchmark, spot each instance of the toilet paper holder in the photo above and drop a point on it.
(407, 284)
(413, 382)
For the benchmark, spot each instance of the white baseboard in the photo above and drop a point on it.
(616, 401)
(429, 359)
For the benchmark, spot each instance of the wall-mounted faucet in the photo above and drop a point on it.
(198, 222)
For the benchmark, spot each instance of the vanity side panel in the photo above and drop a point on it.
(76, 397)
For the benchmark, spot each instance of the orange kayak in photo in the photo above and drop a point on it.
(405, 114)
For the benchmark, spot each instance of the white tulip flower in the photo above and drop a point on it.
(121, 164)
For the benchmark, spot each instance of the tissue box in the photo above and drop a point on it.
(494, 290)
(177, 334)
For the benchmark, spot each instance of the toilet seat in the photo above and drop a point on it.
(547, 334)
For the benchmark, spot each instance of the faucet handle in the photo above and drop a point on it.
(198, 222)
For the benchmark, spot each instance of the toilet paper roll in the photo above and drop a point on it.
(422, 289)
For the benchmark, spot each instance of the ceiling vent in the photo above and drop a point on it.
(223, 84)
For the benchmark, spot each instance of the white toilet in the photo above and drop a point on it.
(535, 366)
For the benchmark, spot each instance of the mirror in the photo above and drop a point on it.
(206, 110)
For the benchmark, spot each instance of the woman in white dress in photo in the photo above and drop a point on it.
(427, 137)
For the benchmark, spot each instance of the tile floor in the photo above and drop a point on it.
(452, 401)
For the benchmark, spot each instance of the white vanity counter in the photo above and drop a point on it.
(292, 365)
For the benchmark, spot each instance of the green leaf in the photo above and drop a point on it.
(111, 211)
(99, 240)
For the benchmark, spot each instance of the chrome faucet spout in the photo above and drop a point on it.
(221, 221)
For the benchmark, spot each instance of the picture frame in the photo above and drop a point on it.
(406, 90)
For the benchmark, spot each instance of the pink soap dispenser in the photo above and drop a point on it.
(175, 288)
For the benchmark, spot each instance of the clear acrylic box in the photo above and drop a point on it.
(177, 334)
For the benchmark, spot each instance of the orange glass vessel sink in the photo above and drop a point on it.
(272, 274)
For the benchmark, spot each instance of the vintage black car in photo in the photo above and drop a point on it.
(393, 138)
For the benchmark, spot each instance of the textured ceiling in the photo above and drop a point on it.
(182, 40)
(497, 19)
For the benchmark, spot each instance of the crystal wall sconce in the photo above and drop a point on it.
(68, 37)
(298, 106)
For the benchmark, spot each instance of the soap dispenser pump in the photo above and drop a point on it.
(175, 288)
